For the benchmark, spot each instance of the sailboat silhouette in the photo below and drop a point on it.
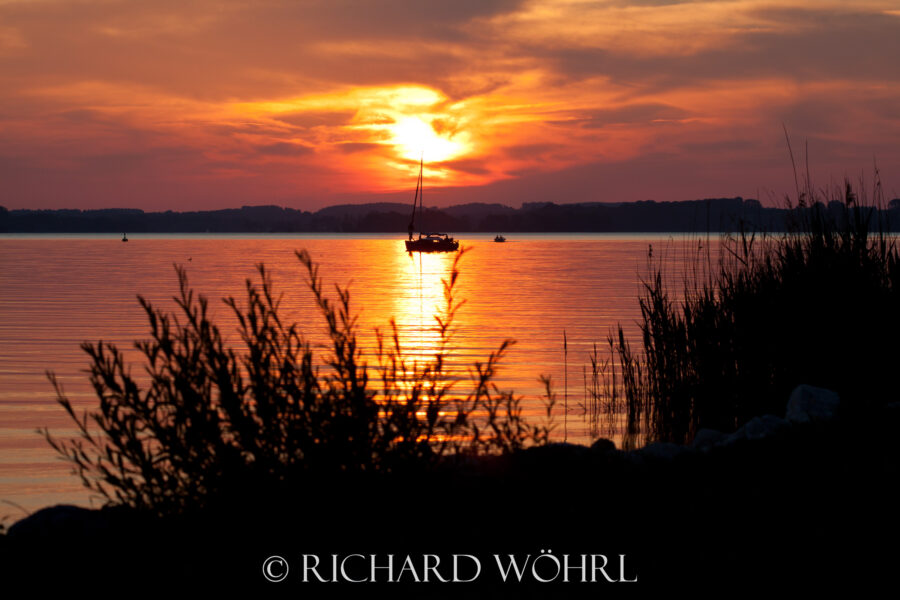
(427, 241)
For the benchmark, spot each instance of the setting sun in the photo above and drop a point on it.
(415, 138)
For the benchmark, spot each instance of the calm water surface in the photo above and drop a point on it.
(56, 292)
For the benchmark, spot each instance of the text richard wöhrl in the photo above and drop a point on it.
(545, 567)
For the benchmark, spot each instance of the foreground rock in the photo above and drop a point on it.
(62, 521)
(808, 403)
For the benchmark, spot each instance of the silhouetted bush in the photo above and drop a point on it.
(818, 305)
(216, 421)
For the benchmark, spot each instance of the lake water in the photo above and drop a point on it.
(56, 292)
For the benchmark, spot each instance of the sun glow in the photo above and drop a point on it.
(377, 133)
(415, 121)
(415, 138)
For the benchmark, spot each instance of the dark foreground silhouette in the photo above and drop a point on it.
(807, 507)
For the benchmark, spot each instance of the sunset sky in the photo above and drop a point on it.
(210, 104)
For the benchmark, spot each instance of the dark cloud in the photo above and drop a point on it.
(808, 45)
(470, 166)
(310, 119)
(247, 128)
(284, 149)
(531, 151)
(392, 19)
(82, 115)
(213, 49)
(658, 3)
(632, 113)
(354, 147)
(718, 146)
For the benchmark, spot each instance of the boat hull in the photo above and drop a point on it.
(426, 245)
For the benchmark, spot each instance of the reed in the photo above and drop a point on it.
(603, 399)
(818, 304)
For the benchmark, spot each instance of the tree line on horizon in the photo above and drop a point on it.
(710, 215)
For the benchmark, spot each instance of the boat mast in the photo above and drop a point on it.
(421, 187)
(412, 217)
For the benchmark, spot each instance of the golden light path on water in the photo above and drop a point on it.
(423, 273)
(56, 292)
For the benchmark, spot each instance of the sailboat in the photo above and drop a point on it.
(427, 241)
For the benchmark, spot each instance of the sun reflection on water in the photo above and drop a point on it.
(423, 275)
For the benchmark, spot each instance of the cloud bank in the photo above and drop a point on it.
(173, 105)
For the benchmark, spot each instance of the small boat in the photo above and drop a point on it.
(124, 237)
(499, 238)
(427, 241)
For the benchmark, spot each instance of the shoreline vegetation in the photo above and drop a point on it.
(690, 216)
(731, 475)
(818, 304)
